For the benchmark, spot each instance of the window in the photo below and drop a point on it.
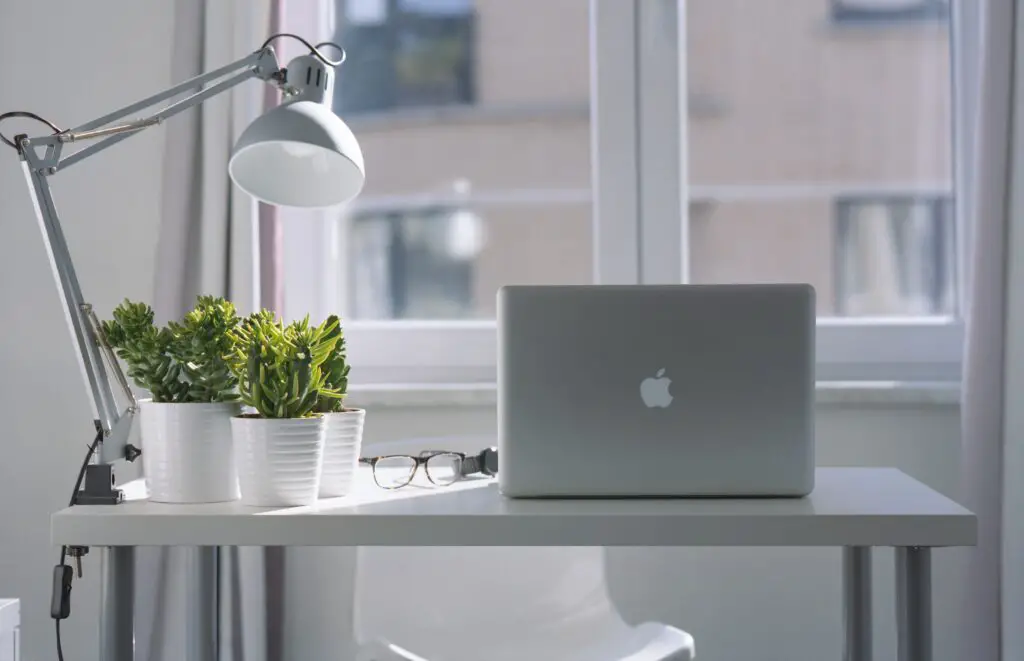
(486, 184)
(405, 53)
(825, 157)
(895, 257)
(796, 154)
(888, 10)
(414, 264)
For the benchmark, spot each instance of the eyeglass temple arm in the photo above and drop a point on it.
(471, 463)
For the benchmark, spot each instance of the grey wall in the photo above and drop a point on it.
(780, 603)
(70, 62)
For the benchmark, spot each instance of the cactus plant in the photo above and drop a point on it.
(280, 368)
(182, 362)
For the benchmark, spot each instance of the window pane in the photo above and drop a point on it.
(820, 150)
(447, 262)
(473, 117)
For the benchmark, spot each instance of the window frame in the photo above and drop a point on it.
(647, 116)
(638, 97)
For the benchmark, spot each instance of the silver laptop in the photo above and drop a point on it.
(688, 390)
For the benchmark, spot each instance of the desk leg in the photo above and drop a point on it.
(857, 603)
(201, 601)
(117, 600)
(914, 603)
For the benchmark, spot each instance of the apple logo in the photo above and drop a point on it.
(654, 390)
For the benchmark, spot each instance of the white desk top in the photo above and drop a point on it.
(849, 507)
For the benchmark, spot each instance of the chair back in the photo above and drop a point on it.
(458, 602)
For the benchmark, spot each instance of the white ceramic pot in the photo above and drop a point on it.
(187, 453)
(278, 460)
(343, 441)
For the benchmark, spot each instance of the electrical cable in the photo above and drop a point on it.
(60, 648)
(74, 496)
(28, 115)
(315, 50)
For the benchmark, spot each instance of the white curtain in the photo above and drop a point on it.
(308, 591)
(208, 244)
(993, 420)
(232, 604)
(207, 233)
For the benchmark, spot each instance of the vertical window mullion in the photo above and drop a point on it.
(614, 141)
(663, 114)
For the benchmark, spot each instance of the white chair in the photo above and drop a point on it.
(497, 604)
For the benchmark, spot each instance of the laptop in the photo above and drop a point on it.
(680, 390)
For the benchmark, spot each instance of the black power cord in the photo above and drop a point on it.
(60, 599)
(27, 115)
(315, 50)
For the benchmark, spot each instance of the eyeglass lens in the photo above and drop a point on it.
(444, 468)
(394, 472)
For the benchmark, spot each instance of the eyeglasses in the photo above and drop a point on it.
(397, 470)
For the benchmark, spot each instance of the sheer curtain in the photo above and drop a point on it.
(208, 244)
(993, 427)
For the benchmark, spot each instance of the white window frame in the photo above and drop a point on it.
(638, 101)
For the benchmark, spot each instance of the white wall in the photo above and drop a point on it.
(70, 62)
(780, 603)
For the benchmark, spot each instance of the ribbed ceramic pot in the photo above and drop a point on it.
(278, 460)
(343, 441)
(187, 452)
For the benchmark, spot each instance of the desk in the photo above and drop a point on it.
(854, 508)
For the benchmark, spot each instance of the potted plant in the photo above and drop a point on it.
(279, 446)
(343, 438)
(187, 452)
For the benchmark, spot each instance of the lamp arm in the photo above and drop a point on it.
(41, 158)
(262, 64)
(115, 425)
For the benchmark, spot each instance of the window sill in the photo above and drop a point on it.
(829, 393)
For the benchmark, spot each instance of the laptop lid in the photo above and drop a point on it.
(656, 390)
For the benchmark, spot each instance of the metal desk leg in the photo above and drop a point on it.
(117, 597)
(201, 601)
(914, 603)
(857, 603)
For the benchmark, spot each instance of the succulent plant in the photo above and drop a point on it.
(183, 362)
(280, 368)
(335, 368)
(200, 343)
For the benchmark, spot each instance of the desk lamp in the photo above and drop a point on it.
(299, 154)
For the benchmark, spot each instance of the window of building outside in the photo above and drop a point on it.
(405, 54)
(895, 256)
(815, 154)
(889, 10)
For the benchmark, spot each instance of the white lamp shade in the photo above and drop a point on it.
(299, 154)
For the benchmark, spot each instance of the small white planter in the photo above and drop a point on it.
(342, 444)
(187, 452)
(279, 460)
